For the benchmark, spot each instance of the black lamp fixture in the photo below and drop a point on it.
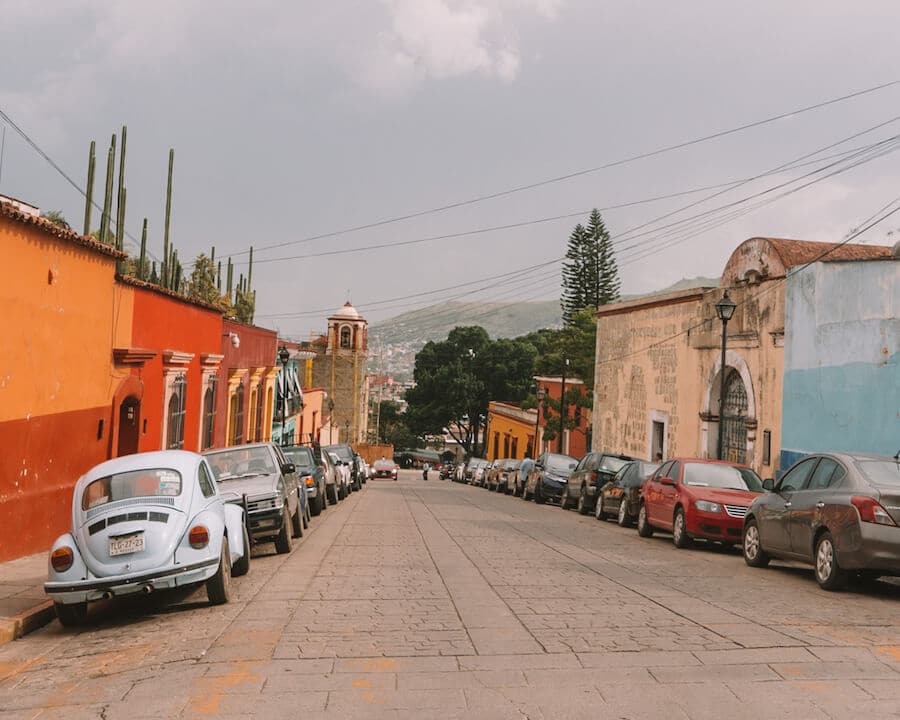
(724, 311)
(283, 356)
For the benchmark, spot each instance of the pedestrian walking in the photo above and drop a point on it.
(425, 471)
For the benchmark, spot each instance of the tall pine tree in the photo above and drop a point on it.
(590, 275)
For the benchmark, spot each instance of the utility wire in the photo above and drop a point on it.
(578, 173)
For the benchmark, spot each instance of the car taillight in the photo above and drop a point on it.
(198, 537)
(870, 511)
(310, 480)
(62, 558)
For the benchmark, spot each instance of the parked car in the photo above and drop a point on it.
(312, 476)
(693, 498)
(348, 457)
(446, 470)
(593, 471)
(836, 511)
(334, 479)
(385, 468)
(143, 523)
(621, 497)
(364, 468)
(341, 474)
(265, 483)
(548, 478)
(475, 469)
(501, 473)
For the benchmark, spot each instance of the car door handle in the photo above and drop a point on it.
(787, 504)
(820, 504)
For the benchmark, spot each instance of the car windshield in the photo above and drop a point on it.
(511, 465)
(384, 464)
(342, 451)
(301, 457)
(241, 463)
(149, 482)
(611, 464)
(560, 463)
(880, 472)
(721, 476)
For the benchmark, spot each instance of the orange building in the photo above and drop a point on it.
(63, 311)
(510, 431)
(576, 437)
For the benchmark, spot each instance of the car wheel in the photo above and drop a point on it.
(242, 566)
(623, 518)
(283, 540)
(583, 506)
(71, 615)
(643, 524)
(539, 495)
(296, 523)
(564, 498)
(331, 494)
(829, 574)
(218, 587)
(679, 530)
(317, 504)
(754, 555)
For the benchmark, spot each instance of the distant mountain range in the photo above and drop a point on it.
(393, 343)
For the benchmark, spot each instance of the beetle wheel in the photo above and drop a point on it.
(218, 587)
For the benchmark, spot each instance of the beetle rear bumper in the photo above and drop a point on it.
(98, 588)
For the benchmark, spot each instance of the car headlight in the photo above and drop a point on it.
(707, 506)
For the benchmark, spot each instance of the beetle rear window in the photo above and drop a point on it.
(151, 482)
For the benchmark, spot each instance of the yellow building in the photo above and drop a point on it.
(510, 431)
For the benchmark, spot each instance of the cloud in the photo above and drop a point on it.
(443, 39)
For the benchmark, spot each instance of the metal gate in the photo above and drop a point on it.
(734, 417)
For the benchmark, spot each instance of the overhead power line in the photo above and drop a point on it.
(578, 173)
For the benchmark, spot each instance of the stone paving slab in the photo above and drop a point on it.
(440, 600)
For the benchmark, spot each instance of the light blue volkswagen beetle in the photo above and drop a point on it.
(143, 523)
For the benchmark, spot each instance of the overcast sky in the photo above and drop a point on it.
(291, 120)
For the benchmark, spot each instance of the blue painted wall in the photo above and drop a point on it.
(841, 386)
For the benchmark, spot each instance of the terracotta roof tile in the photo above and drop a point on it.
(10, 211)
(800, 252)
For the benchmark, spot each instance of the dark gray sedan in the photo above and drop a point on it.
(839, 512)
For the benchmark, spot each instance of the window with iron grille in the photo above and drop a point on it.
(237, 414)
(734, 416)
(209, 412)
(175, 414)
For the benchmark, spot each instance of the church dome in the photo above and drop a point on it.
(348, 312)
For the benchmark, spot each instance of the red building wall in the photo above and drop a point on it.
(257, 348)
(161, 323)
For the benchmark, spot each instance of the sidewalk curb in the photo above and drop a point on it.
(20, 625)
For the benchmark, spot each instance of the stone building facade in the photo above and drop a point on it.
(658, 371)
(339, 366)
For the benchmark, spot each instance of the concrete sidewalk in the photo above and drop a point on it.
(23, 605)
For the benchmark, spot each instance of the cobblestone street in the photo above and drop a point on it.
(414, 599)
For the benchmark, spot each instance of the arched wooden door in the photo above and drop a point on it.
(129, 426)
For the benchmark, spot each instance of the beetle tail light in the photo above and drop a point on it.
(62, 558)
(870, 511)
(198, 537)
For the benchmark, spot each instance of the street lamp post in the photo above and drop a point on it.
(724, 310)
(563, 410)
(537, 422)
(283, 356)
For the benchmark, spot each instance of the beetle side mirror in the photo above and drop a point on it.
(769, 485)
(288, 468)
(667, 481)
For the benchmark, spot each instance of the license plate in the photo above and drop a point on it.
(125, 544)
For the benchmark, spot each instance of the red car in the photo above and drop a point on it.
(385, 468)
(694, 498)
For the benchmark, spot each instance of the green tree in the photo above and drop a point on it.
(244, 305)
(202, 283)
(590, 275)
(57, 218)
(457, 377)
